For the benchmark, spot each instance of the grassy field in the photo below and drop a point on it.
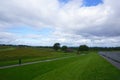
(10, 55)
(85, 67)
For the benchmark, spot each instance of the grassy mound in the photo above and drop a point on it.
(84, 67)
(10, 55)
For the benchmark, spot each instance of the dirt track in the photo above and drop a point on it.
(10, 66)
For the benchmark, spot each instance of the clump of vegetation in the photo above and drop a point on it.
(64, 48)
(56, 46)
(83, 49)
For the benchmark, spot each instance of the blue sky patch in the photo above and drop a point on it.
(89, 3)
(46, 31)
(64, 1)
(23, 30)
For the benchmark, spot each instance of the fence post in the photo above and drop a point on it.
(20, 61)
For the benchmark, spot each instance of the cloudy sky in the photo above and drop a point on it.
(69, 22)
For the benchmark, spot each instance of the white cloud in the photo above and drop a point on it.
(73, 23)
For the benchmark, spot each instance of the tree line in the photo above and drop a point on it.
(66, 48)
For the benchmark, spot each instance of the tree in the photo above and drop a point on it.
(64, 48)
(83, 48)
(56, 46)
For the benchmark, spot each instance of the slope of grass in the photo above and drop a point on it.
(8, 57)
(25, 53)
(92, 67)
(30, 72)
(84, 67)
(7, 49)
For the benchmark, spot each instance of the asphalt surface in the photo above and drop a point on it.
(112, 57)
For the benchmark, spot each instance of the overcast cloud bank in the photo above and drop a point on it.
(72, 22)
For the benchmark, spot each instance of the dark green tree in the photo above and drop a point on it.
(56, 46)
(64, 48)
(82, 48)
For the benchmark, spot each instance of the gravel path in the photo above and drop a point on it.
(10, 66)
(112, 57)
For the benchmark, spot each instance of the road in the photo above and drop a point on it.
(112, 57)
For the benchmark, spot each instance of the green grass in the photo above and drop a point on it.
(7, 49)
(84, 67)
(25, 53)
(89, 68)
(10, 55)
(29, 72)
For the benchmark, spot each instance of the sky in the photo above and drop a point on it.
(69, 22)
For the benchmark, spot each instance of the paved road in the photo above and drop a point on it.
(112, 57)
(10, 66)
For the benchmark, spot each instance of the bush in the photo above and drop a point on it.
(64, 48)
(56, 46)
